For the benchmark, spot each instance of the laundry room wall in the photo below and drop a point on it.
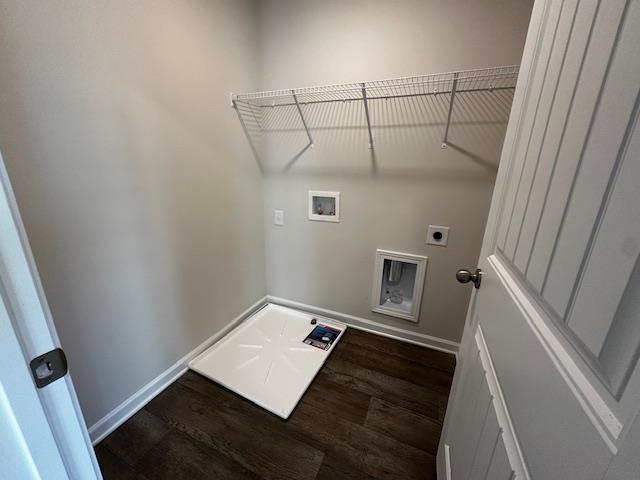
(139, 193)
(389, 195)
(147, 213)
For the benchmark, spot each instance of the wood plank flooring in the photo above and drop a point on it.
(374, 411)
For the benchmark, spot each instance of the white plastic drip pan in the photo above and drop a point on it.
(265, 360)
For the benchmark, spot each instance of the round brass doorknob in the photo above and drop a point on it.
(465, 276)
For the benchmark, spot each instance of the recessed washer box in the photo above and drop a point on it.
(324, 206)
(397, 284)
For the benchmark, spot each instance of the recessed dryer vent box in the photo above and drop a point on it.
(438, 235)
(397, 284)
(324, 206)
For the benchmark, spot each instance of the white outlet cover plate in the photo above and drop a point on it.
(442, 242)
(278, 217)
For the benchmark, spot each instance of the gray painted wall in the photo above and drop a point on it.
(388, 200)
(139, 193)
(144, 205)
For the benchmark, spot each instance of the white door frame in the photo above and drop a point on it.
(34, 327)
(27, 446)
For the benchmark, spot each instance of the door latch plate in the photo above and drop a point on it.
(49, 367)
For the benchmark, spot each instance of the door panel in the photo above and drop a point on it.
(554, 131)
(536, 136)
(542, 53)
(475, 413)
(484, 454)
(600, 159)
(548, 410)
(603, 287)
(475, 449)
(500, 469)
(554, 330)
(597, 50)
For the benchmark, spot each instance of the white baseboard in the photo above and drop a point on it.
(447, 462)
(135, 402)
(360, 323)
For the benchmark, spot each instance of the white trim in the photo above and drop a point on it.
(371, 326)
(135, 402)
(447, 462)
(509, 439)
(420, 261)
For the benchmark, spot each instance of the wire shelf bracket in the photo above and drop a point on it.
(366, 113)
(234, 105)
(304, 122)
(452, 97)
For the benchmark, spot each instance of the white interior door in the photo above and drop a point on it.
(42, 432)
(548, 382)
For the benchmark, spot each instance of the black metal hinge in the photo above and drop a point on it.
(49, 367)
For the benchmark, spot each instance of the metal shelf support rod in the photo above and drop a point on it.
(366, 114)
(304, 122)
(451, 99)
(246, 133)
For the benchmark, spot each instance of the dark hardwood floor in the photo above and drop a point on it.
(374, 411)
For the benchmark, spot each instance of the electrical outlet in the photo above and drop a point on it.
(437, 235)
(278, 217)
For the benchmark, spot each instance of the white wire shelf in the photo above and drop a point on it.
(467, 81)
(450, 83)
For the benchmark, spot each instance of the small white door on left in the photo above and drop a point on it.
(42, 433)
